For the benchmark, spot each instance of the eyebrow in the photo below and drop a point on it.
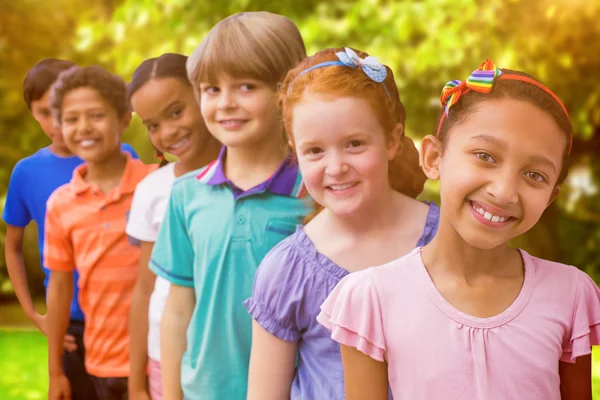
(171, 104)
(502, 144)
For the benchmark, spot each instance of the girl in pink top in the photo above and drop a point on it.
(466, 316)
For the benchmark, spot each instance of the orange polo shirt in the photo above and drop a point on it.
(85, 229)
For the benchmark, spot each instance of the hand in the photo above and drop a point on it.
(139, 394)
(59, 388)
(40, 322)
(69, 343)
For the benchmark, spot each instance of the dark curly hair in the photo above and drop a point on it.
(111, 87)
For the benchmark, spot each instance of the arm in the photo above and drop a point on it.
(271, 366)
(173, 341)
(576, 379)
(13, 248)
(60, 293)
(364, 377)
(138, 325)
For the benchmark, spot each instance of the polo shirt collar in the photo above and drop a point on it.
(286, 181)
(126, 185)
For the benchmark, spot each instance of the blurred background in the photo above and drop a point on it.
(426, 43)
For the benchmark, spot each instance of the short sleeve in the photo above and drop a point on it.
(586, 320)
(278, 292)
(128, 148)
(141, 215)
(16, 212)
(58, 248)
(173, 255)
(353, 314)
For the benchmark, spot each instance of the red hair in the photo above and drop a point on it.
(405, 174)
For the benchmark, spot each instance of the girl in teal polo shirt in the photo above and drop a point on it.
(223, 219)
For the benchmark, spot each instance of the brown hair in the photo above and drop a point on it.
(258, 45)
(512, 89)
(111, 87)
(405, 174)
(39, 78)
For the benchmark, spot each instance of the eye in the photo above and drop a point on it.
(355, 143)
(535, 176)
(70, 120)
(45, 113)
(313, 151)
(176, 113)
(152, 128)
(210, 89)
(246, 87)
(485, 157)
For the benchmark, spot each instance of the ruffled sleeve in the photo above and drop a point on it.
(586, 320)
(352, 313)
(278, 293)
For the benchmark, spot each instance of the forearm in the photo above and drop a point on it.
(18, 277)
(138, 337)
(173, 338)
(60, 293)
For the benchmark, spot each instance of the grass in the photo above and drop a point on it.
(24, 359)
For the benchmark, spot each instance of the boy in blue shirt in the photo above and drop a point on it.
(33, 180)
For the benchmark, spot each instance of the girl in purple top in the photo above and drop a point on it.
(345, 122)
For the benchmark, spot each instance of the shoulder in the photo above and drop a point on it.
(284, 259)
(61, 197)
(551, 272)
(29, 163)
(157, 179)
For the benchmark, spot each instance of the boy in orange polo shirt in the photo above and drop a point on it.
(85, 227)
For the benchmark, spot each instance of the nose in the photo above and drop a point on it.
(336, 165)
(84, 125)
(227, 99)
(504, 187)
(168, 130)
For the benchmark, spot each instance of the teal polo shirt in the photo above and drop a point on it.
(212, 239)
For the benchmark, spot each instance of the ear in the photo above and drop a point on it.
(125, 121)
(431, 156)
(394, 145)
(554, 194)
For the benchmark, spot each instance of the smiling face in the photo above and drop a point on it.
(342, 152)
(499, 170)
(240, 112)
(168, 108)
(91, 127)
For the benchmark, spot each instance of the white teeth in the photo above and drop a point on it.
(341, 187)
(232, 122)
(178, 145)
(487, 215)
(87, 143)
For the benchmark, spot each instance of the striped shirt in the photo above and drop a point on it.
(86, 228)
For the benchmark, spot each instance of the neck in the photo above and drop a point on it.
(110, 168)
(61, 151)
(449, 252)
(206, 155)
(253, 165)
(374, 220)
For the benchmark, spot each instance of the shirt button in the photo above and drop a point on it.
(241, 219)
(106, 225)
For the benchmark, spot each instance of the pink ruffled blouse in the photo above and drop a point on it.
(434, 351)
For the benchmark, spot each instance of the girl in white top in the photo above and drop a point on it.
(161, 94)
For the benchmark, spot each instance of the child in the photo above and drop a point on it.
(467, 316)
(32, 181)
(221, 221)
(161, 94)
(346, 125)
(85, 229)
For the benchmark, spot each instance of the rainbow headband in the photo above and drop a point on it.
(482, 81)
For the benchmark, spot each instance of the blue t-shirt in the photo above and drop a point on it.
(32, 181)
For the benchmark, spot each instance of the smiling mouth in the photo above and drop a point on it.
(488, 215)
(88, 142)
(343, 186)
(179, 144)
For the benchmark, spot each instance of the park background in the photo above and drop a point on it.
(426, 43)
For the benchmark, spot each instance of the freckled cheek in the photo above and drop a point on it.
(312, 174)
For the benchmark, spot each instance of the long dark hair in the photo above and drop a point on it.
(168, 65)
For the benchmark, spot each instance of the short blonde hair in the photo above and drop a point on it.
(258, 45)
